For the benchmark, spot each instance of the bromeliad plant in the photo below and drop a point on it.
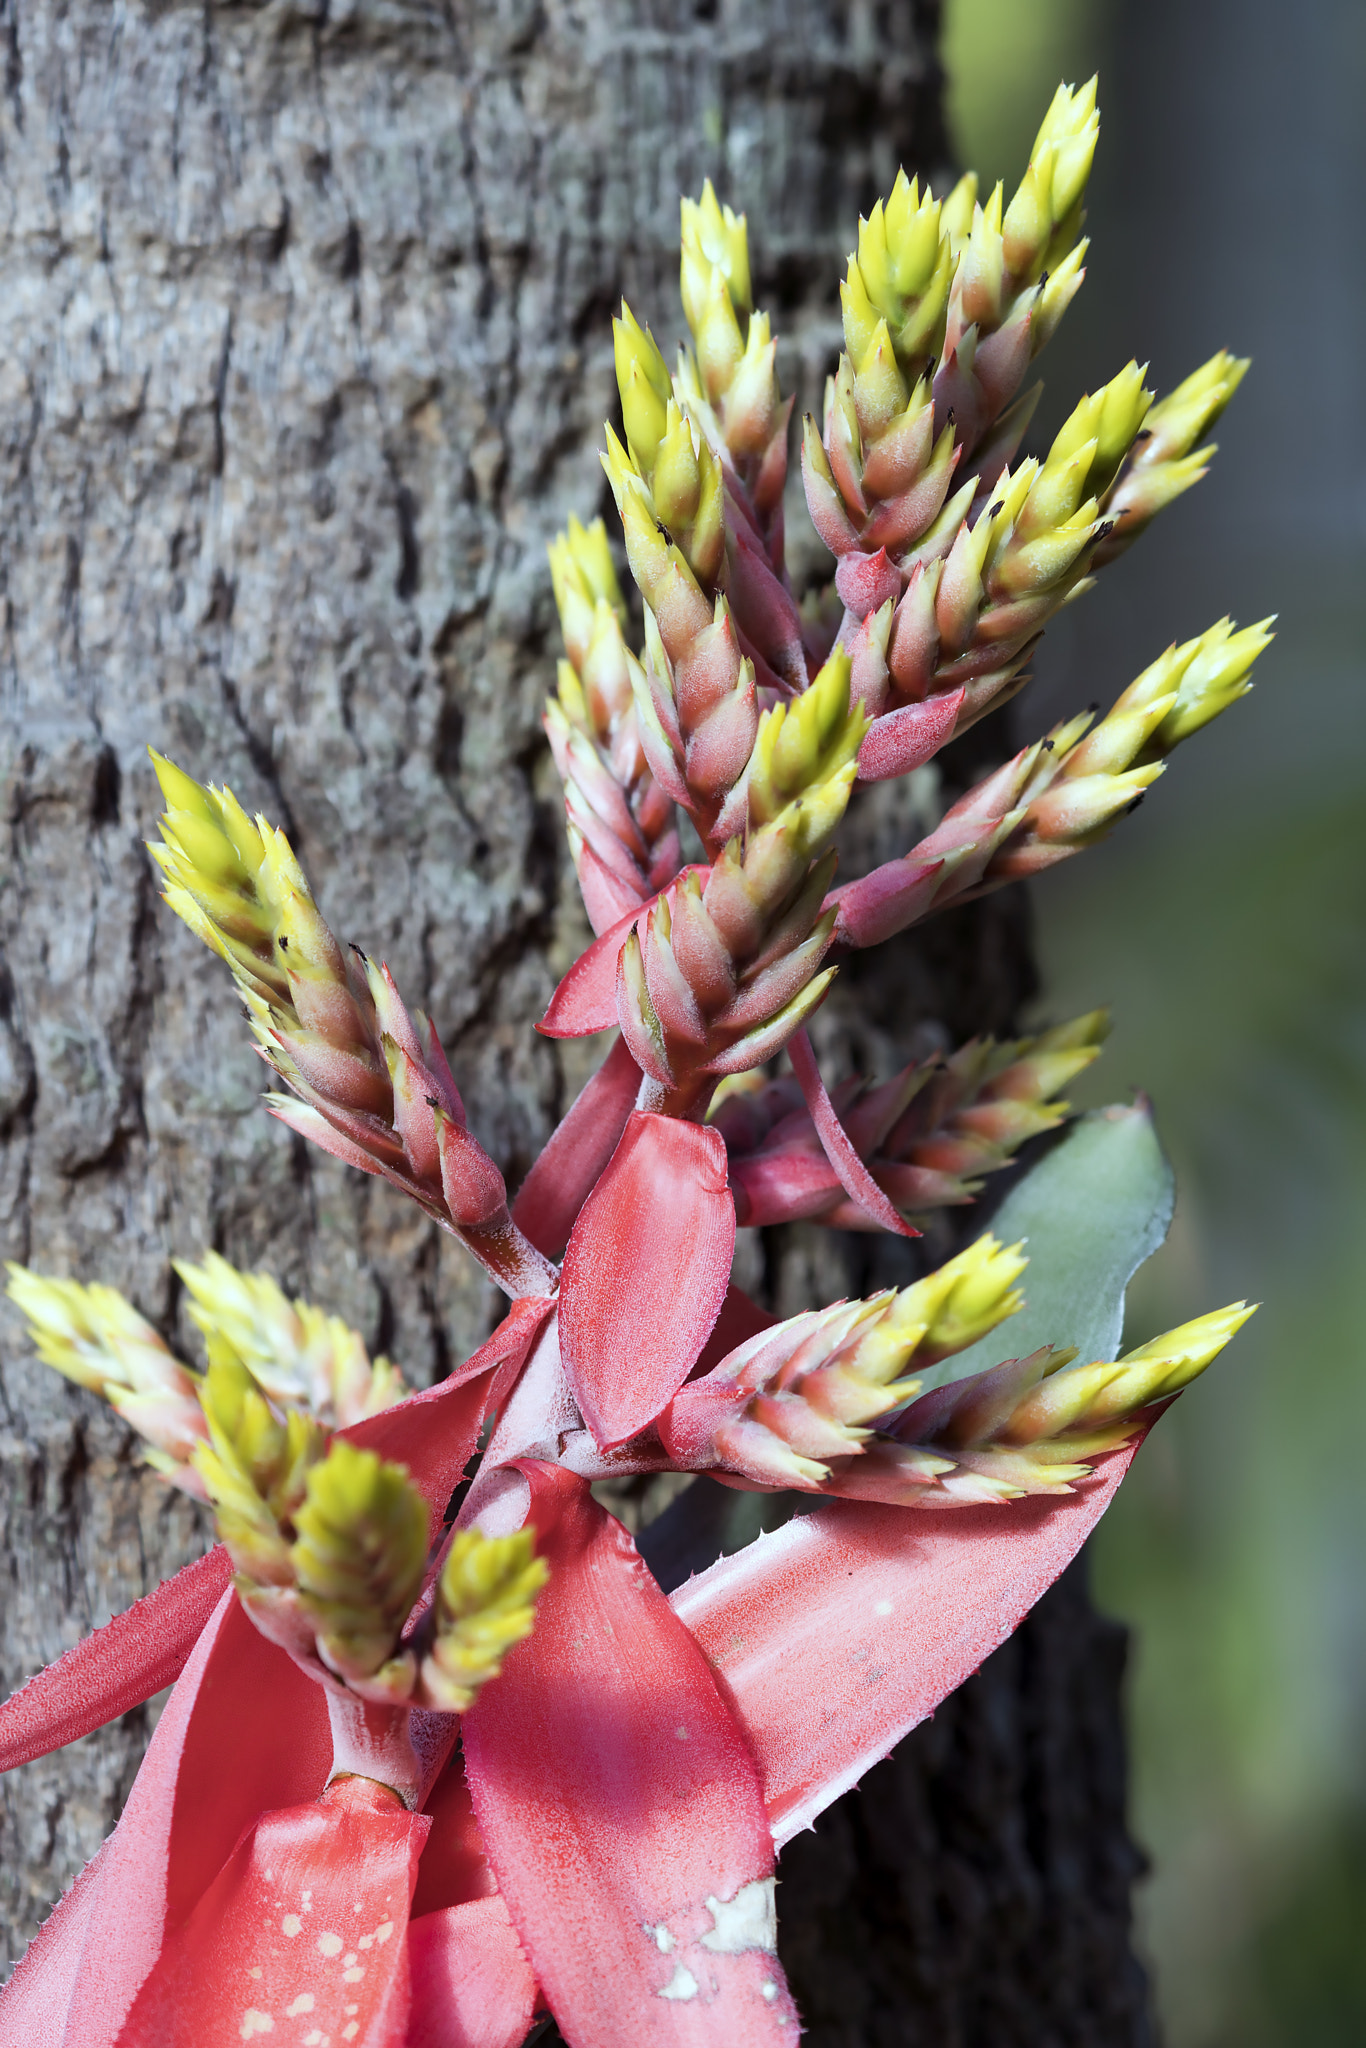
(444, 1749)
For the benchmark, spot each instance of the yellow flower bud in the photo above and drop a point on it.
(804, 743)
(485, 1604)
(1064, 282)
(1070, 129)
(676, 484)
(955, 219)
(713, 238)
(643, 381)
(1214, 675)
(1185, 415)
(358, 1556)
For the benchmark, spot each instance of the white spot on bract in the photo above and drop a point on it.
(255, 1975)
(352, 1976)
(349, 1958)
(329, 1945)
(768, 1988)
(313, 2038)
(254, 2022)
(349, 2009)
(366, 1941)
(663, 1940)
(350, 2030)
(302, 2004)
(682, 1984)
(308, 1902)
(681, 1733)
(383, 1931)
(749, 1920)
(291, 1925)
(883, 1607)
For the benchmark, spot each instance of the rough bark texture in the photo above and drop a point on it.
(304, 351)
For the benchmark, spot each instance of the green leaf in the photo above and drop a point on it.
(1091, 1212)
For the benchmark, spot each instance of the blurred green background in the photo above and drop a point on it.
(1225, 925)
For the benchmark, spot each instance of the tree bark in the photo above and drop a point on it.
(304, 352)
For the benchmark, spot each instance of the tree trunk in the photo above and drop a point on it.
(305, 353)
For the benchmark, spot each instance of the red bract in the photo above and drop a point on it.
(560, 1182)
(215, 1765)
(592, 1765)
(850, 1170)
(472, 1986)
(116, 1668)
(798, 1632)
(392, 1799)
(658, 1227)
(305, 1921)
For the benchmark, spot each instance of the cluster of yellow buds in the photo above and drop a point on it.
(623, 833)
(898, 279)
(786, 1408)
(330, 1545)
(329, 1541)
(296, 1355)
(1081, 780)
(96, 1338)
(727, 383)
(1165, 461)
(1016, 271)
(928, 1136)
(952, 556)
(372, 1084)
(1029, 1426)
(1062, 794)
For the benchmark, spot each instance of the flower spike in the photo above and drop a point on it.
(485, 1603)
(929, 1135)
(717, 977)
(371, 1091)
(92, 1335)
(1165, 461)
(358, 1555)
(1061, 795)
(1028, 1426)
(783, 1408)
(622, 825)
(298, 1355)
(330, 1545)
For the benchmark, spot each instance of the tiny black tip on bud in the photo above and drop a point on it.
(1093, 707)
(1135, 804)
(282, 943)
(362, 957)
(1047, 746)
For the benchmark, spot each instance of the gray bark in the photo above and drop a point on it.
(304, 352)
